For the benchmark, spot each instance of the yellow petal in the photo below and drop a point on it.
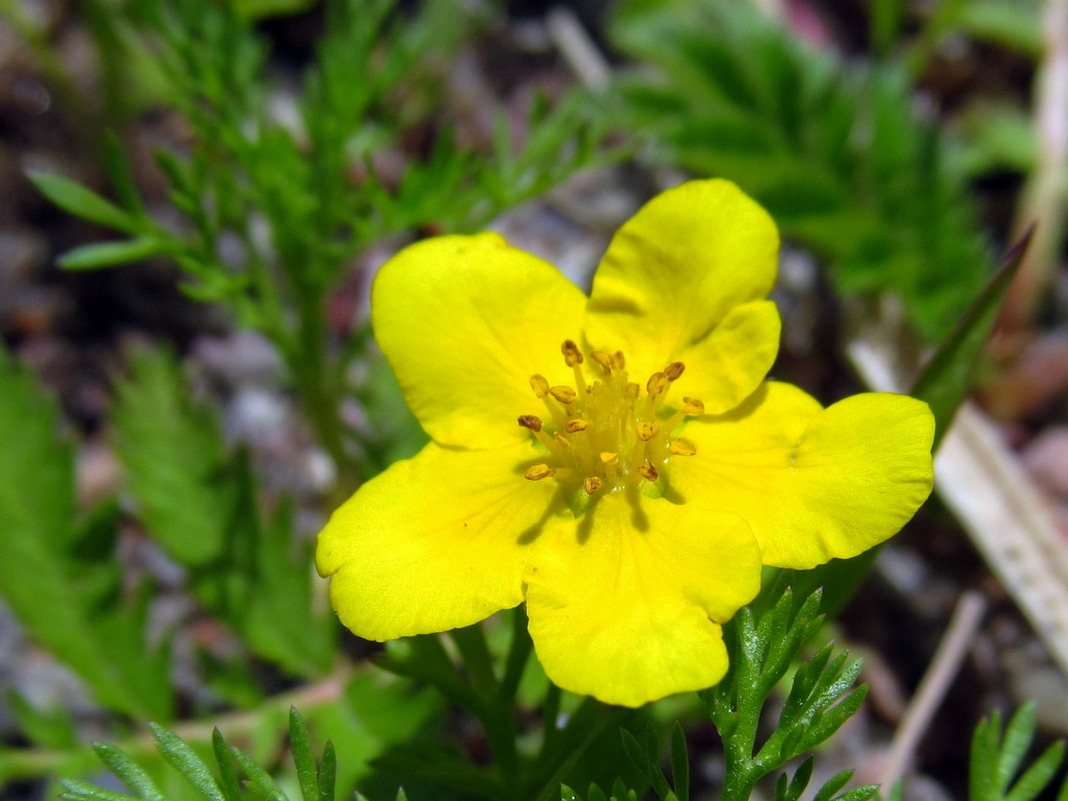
(813, 483)
(435, 542)
(677, 268)
(465, 321)
(626, 605)
(725, 367)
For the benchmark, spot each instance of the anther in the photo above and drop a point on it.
(563, 394)
(538, 472)
(682, 447)
(603, 359)
(591, 484)
(572, 354)
(646, 431)
(540, 385)
(657, 383)
(648, 471)
(530, 421)
(575, 424)
(692, 406)
(674, 370)
(619, 361)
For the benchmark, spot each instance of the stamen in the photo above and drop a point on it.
(657, 383)
(648, 471)
(572, 354)
(646, 431)
(563, 394)
(603, 359)
(530, 421)
(682, 447)
(608, 434)
(692, 406)
(674, 370)
(540, 385)
(538, 472)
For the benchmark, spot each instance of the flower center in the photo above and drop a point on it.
(609, 435)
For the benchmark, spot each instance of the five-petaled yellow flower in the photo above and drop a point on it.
(616, 461)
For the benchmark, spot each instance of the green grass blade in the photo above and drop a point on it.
(947, 378)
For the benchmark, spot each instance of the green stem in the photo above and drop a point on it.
(518, 653)
(498, 712)
(319, 391)
(588, 723)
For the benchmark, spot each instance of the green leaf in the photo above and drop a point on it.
(228, 779)
(80, 201)
(113, 254)
(1038, 776)
(300, 744)
(837, 153)
(328, 773)
(680, 763)
(133, 775)
(1018, 736)
(77, 790)
(60, 578)
(798, 782)
(984, 759)
(948, 376)
(833, 785)
(174, 459)
(192, 768)
(52, 727)
(261, 782)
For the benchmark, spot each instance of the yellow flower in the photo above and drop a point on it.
(652, 471)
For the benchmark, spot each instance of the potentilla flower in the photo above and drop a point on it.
(617, 462)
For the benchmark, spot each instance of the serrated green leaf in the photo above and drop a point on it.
(83, 202)
(113, 254)
(174, 459)
(727, 91)
(52, 573)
